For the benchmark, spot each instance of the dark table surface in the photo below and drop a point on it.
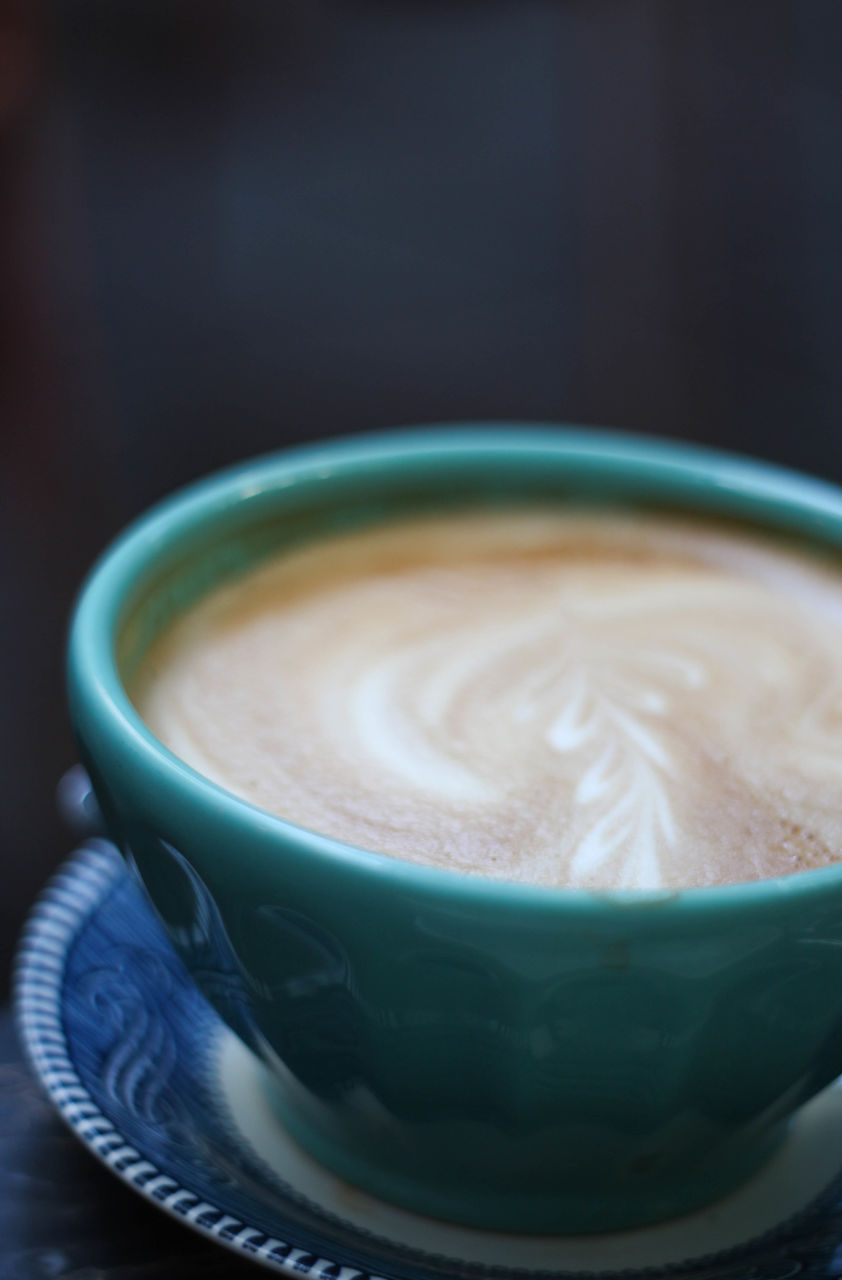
(63, 1216)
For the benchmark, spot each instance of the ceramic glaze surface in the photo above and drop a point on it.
(619, 1057)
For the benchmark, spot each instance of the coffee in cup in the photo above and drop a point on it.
(598, 699)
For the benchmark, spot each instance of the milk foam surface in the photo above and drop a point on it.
(563, 698)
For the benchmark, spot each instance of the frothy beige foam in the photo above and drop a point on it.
(579, 698)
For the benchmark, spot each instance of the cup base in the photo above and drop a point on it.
(565, 1209)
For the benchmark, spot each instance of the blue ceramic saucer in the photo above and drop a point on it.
(144, 1072)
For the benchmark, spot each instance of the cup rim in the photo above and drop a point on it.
(716, 480)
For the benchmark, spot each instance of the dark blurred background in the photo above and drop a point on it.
(229, 226)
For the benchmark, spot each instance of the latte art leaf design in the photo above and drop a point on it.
(627, 784)
(626, 781)
(607, 729)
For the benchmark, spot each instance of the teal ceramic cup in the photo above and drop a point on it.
(502, 1055)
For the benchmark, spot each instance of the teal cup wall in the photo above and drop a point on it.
(498, 1054)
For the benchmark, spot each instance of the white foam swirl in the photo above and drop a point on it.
(560, 698)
